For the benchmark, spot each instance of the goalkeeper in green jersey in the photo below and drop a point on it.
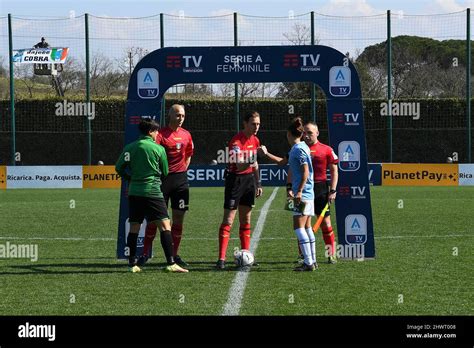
(143, 163)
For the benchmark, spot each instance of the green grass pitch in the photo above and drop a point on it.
(423, 265)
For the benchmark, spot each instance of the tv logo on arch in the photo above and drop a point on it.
(147, 83)
(347, 118)
(340, 81)
(349, 156)
(306, 62)
(354, 192)
(190, 64)
(356, 229)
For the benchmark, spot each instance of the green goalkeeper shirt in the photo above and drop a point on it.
(143, 163)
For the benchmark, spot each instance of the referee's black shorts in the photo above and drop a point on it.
(321, 196)
(151, 208)
(239, 190)
(175, 186)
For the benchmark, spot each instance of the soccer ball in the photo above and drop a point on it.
(243, 258)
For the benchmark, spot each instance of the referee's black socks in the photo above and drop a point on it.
(167, 245)
(132, 247)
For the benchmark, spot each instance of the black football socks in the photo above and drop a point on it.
(132, 248)
(167, 245)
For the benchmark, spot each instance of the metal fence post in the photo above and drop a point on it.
(88, 92)
(236, 85)
(468, 84)
(12, 90)
(389, 85)
(313, 86)
(162, 44)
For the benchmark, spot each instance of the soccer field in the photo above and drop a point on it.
(424, 260)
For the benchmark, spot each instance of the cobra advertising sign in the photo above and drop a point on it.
(56, 55)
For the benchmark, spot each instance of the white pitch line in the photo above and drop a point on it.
(236, 292)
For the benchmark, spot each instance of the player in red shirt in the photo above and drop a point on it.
(242, 185)
(323, 157)
(179, 147)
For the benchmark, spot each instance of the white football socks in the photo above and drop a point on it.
(312, 243)
(304, 241)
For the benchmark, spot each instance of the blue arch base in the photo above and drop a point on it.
(324, 66)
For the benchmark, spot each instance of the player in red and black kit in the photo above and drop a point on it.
(179, 149)
(323, 157)
(242, 185)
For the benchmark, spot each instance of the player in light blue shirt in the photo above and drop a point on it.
(301, 170)
(299, 156)
(302, 190)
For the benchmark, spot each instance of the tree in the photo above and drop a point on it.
(373, 79)
(421, 67)
(300, 34)
(197, 90)
(131, 57)
(24, 74)
(3, 70)
(104, 78)
(226, 90)
(251, 89)
(72, 76)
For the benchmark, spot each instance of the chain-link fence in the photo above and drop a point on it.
(403, 61)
